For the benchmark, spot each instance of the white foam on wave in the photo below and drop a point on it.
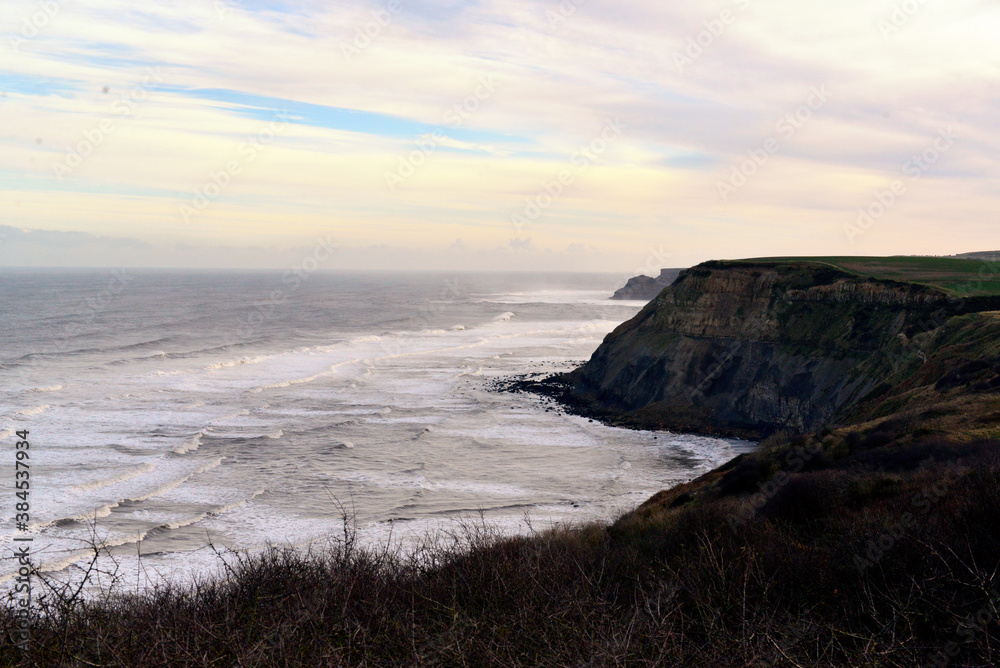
(190, 445)
(275, 435)
(136, 471)
(119, 397)
(173, 484)
(423, 343)
(233, 506)
(49, 388)
(70, 558)
(473, 487)
(52, 566)
(34, 410)
(300, 381)
(230, 416)
(567, 296)
(238, 362)
(105, 510)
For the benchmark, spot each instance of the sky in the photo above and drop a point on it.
(487, 135)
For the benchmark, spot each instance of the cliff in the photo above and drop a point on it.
(988, 256)
(749, 348)
(644, 288)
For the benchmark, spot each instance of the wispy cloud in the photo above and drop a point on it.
(228, 67)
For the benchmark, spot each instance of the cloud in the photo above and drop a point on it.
(55, 248)
(551, 87)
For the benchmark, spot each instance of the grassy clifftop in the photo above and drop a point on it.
(958, 276)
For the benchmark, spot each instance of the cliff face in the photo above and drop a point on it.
(748, 348)
(644, 288)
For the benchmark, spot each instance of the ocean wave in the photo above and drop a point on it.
(50, 388)
(233, 506)
(198, 352)
(129, 360)
(34, 410)
(105, 510)
(239, 362)
(139, 470)
(95, 349)
(173, 484)
(300, 381)
(52, 566)
(190, 445)
(188, 521)
(366, 339)
(229, 416)
(71, 558)
(270, 436)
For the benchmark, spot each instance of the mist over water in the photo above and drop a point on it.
(181, 408)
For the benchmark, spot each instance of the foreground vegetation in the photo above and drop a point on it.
(880, 556)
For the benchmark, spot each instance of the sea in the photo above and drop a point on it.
(174, 415)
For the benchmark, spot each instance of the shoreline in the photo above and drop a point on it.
(557, 389)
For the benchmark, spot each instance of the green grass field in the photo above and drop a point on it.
(958, 276)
